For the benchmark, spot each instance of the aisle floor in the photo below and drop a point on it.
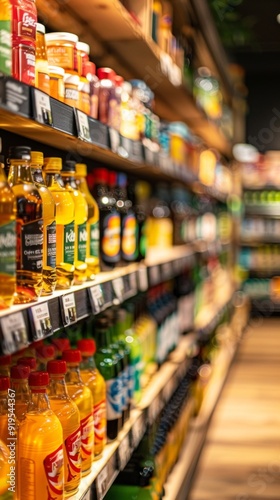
(240, 459)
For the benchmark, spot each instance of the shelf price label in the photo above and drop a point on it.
(124, 452)
(138, 431)
(102, 482)
(166, 270)
(108, 294)
(14, 333)
(41, 320)
(96, 298)
(115, 140)
(154, 409)
(118, 287)
(69, 311)
(154, 275)
(143, 278)
(133, 283)
(42, 107)
(82, 126)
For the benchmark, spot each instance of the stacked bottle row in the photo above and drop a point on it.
(263, 258)
(257, 288)
(262, 198)
(256, 228)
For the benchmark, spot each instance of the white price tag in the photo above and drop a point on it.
(133, 283)
(102, 481)
(83, 126)
(42, 321)
(69, 308)
(97, 299)
(114, 140)
(118, 287)
(143, 279)
(43, 113)
(86, 496)
(124, 453)
(138, 431)
(154, 273)
(14, 333)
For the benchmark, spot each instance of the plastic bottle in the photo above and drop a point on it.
(65, 230)
(4, 388)
(81, 216)
(42, 77)
(92, 251)
(60, 346)
(129, 227)
(5, 363)
(29, 230)
(28, 361)
(7, 240)
(96, 383)
(68, 414)
(44, 354)
(49, 224)
(40, 474)
(19, 383)
(81, 395)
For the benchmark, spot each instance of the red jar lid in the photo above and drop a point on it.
(106, 74)
(38, 379)
(72, 356)
(57, 367)
(86, 346)
(20, 372)
(4, 383)
(89, 67)
(27, 361)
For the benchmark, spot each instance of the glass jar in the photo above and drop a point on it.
(61, 49)
(57, 82)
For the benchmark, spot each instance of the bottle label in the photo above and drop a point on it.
(114, 398)
(87, 436)
(129, 236)
(82, 242)
(69, 243)
(111, 240)
(99, 417)
(32, 245)
(94, 239)
(51, 245)
(8, 248)
(71, 94)
(73, 453)
(53, 465)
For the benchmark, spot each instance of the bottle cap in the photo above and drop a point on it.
(69, 166)
(61, 344)
(112, 178)
(20, 372)
(81, 169)
(41, 28)
(56, 70)
(83, 47)
(37, 379)
(72, 356)
(89, 67)
(27, 361)
(106, 74)
(20, 153)
(52, 164)
(57, 367)
(86, 346)
(118, 80)
(37, 158)
(101, 175)
(5, 360)
(4, 383)
(45, 351)
(63, 36)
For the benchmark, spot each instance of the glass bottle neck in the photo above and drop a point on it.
(53, 179)
(39, 401)
(20, 386)
(37, 174)
(102, 338)
(73, 375)
(69, 180)
(20, 172)
(57, 386)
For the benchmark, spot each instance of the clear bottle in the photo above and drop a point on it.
(96, 383)
(7, 240)
(81, 216)
(92, 252)
(42, 77)
(41, 473)
(82, 396)
(5, 363)
(65, 229)
(4, 388)
(68, 414)
(49, 224)
(29, 230)
(19, 383)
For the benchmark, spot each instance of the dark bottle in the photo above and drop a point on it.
(129, 227)
(140, 192)
(108, 365)
(109, 219)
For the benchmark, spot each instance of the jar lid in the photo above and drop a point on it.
(19, 153)
(72, 356)
(20, 372)
(69, 78)
(61, 35)
(57, 367)
(41, 28)
(81, 169)
(37, 379)
(83, 47)
(52, 164)
(86, 346)
(84, 87)
(57, 70)
(37, 157)
(4, 383)
(27, 361)
(106, 74)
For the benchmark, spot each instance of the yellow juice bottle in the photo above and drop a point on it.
(81, 216)
(4, 468)
(93, 379)
(49, 224)
(92, 251)
(40, 471)
(4, 388)
(19, 384)
(65, 229)
(82, 396)
(67, 412)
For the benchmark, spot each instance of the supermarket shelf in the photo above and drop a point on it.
(265, 211)
(265, 306)
(20, 325)
(117, 453)
(261, 273)
(255, 242)
(123, 46)
(209, 316)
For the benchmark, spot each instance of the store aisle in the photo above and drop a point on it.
(241, 456)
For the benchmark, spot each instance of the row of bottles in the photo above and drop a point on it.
(256, 228)
(255, 287)
(261, 198)
(262, 258)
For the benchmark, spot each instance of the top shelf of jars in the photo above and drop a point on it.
(121, 35)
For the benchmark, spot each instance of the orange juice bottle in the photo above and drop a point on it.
(19, 383)
(67, 412)
(40, 446)
(5, 363)
(28, 361)
(96, 383)
(82, 396)
(60, 346)
(4, 468)
(4, 388)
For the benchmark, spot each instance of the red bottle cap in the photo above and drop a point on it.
(37, 379)
(20, 372)
(100, 175)
(56, 367)
(112, 178)
(72, 356)
(89, 67)
(5, 360)
(36, 344)
(27, 361)
(86, 346)
(4, 383)
(45, 352)
(61, 344)
(106, 74)
(118, 80)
